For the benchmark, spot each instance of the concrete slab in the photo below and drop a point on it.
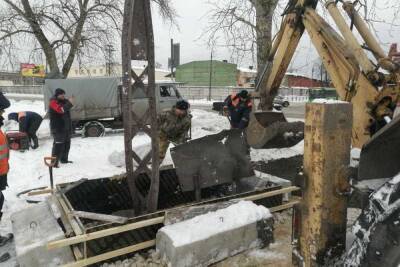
(33, 228)
(215, 235)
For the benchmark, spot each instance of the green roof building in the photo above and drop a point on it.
(197, 73)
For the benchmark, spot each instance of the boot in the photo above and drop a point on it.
(5, 239)
(5, 257)
(35, 142)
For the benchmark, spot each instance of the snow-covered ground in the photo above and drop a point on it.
(92, 157)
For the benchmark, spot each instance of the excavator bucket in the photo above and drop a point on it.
(380, 156)
(270, 129)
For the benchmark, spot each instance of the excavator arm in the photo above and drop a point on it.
(356, 78)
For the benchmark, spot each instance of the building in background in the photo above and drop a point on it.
(197, 73)
(114, 70)
(8, 78)
(246, 77)
(293, 80)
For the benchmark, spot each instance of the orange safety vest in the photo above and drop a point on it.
(236, 100)
(4, 154)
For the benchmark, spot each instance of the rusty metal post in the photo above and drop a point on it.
(323, 211)
(138, 44)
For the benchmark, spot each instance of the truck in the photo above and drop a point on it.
(98, 101)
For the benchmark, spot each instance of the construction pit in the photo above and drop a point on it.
(92, 220)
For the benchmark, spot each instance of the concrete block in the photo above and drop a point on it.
(33, 228)
(216, 235)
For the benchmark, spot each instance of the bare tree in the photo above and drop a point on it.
(245, 26)
(62, 29)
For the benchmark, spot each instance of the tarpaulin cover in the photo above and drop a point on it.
(94, 97)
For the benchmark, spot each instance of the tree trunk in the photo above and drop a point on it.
(264, 11)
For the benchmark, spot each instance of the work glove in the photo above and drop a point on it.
(225, 111)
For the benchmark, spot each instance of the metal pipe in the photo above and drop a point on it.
(368, 37)
(350, 39)
(363, 30)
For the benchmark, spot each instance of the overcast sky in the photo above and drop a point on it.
(193, 19)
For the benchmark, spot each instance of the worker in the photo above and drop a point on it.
(4, 167)
(238, 108)
(29, 123)
(174, 125)
(61, 125)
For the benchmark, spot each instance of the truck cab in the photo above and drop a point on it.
(98, 101)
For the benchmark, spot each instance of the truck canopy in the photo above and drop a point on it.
(94, 97)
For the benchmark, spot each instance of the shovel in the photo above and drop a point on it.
(50, 162)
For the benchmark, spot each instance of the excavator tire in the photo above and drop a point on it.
(377, 230)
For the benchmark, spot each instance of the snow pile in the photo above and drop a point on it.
(141, 145)
(202, 102)
(277, 153)
(266, 255)
(206, 225)
(327, 101)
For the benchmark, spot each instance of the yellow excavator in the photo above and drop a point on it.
(372, 86)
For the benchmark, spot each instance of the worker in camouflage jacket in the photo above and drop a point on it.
(174, 125)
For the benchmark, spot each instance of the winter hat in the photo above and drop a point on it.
(13, 116)
(58, 92)
(182, 105)
(243, 94)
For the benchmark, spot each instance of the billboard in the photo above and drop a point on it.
(32, 70)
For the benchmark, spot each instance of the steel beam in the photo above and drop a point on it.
(138, 44)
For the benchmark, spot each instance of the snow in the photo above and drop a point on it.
(248, 70)
(203, 102)
(203, 226)
(92, 157)
(262, 254)
(328, 101)
(355, 157)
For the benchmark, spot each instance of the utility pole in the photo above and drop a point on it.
(210, 81)
(172, 59)
(109, 59)
(137, 24)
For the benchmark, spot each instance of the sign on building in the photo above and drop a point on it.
(32, 70)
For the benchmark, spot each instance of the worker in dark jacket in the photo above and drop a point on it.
(4, 167)
(29, 123)
(174, 125)
(238, 108)
(61, 125)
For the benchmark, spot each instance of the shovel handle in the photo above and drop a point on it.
(50, 161)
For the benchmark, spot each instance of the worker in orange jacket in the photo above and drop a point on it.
(238, 108)
(4, 167)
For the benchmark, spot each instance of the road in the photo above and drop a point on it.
(294, 111)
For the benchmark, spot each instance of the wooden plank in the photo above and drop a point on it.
(66, 211)
(112, 254)
(77, 253)
(327, 142)
(271, 193)
(284, 206)
(40, 192)
(99, 217)
(111, 231)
